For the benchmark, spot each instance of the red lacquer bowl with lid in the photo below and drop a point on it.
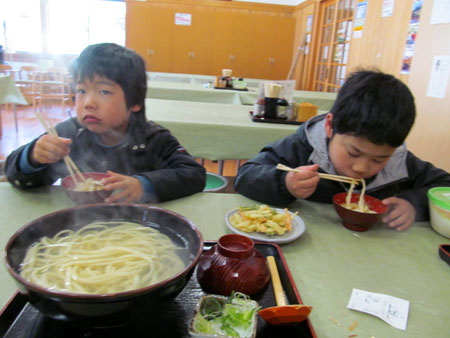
(233, 264)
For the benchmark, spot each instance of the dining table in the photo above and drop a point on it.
(9, 93)
(197, 92)
(326, 262)
(198, 78)
(215, 131)
(194, 92)
(181, 78)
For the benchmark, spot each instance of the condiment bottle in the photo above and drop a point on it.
(282, 106)
(258, 108)
(291, 110)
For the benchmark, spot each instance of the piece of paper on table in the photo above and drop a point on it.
(392, 310)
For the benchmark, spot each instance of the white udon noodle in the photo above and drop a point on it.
(361, 206)
(88, 185)
(102, 258)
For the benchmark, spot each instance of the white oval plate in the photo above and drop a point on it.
(298, 228)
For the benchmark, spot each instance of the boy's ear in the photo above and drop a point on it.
(135, 108)
(328, 125)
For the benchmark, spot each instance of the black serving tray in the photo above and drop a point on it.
(20, 319)
(279, 121)
(238, 89)
(444, 252)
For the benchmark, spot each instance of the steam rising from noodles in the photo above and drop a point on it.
(101, 258)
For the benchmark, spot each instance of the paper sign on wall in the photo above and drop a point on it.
(360, 18)
(440, 72)
(440, 12)
(388, 8)
(183, 19)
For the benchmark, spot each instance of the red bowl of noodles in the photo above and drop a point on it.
(357, 220)
(115, 307)
(86, 193)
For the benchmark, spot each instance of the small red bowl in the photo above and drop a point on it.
(356, 220)
(233, 264)
(85, 197)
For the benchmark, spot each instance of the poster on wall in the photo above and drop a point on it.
(411, 38)
(360, 18)
(388, 8)
(440, 73)
(440, 12)
(183, 19)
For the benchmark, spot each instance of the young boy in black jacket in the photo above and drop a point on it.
(110, 134)
(362, 137)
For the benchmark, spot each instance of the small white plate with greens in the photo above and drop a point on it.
(220, 316)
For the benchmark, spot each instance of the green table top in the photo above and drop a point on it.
(215, 131)
(181, 78)
(326, 262)
(190, 92)
(195, 91)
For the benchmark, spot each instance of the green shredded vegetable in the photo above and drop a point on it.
(232, 318)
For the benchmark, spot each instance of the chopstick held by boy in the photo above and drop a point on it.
(110, 134)
(362, 137)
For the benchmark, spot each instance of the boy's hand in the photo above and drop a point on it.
(303, 184)
(401, 214)
(49, 149)
(130, 188)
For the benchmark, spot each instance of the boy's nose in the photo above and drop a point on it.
(360, 167)
(89, 101)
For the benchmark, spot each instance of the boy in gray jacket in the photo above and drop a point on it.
(362, 137)
(110, 134)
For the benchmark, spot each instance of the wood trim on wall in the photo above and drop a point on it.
(304, 71)
(260, 8)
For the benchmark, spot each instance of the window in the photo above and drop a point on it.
(21, 25)
(60, 26)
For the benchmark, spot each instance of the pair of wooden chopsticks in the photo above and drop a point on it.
(70, 164)
(338, 178)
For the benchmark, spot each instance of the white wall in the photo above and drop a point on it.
(276, 2)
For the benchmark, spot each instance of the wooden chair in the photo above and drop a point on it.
(5, 69)
(53, 85)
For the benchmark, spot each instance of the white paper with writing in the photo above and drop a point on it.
(440, 73)
(392, 310)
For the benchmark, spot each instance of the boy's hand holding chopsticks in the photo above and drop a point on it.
(302, 182)
(49, 149)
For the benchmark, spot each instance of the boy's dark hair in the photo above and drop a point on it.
(118, 64)
(376, 106)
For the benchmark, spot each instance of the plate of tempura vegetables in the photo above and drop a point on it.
(263, 223)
